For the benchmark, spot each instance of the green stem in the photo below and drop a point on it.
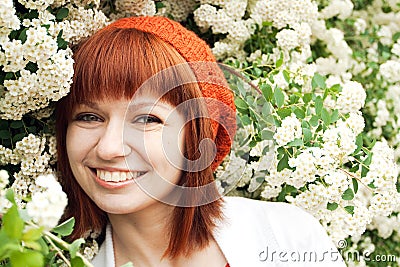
(66, 246)
(50, 237)
(59, 251)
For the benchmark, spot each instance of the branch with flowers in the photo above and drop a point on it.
(316, 85)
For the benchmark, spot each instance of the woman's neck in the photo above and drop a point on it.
(142, 236)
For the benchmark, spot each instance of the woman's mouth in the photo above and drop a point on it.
(118, 176)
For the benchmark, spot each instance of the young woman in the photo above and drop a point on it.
(148, 120)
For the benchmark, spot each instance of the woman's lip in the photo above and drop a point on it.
(112, 169)
(112, 184)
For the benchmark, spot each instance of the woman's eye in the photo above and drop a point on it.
(88, 117)
(148, 119)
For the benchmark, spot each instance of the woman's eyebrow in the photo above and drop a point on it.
(92, 105)
(152, 104)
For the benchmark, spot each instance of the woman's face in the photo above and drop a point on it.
(117, 151)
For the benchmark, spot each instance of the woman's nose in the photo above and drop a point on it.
(111, 144)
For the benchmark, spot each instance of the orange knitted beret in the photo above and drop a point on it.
(213, 84)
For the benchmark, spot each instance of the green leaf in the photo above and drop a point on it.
(240, 103)
(77, 262)
(296, 142)
(349, 209)
(33, 14)
(159, 5)
(245, 120)
(4, 134)
(307, 98)
(294, 99)
(332, 206)
(26, 258)
(44, 247)
(7, 245)
(16, 124)
(279, 97)
(286, 190)
(266, 91)
(74, 247)
(284, 112)
(240, 87)
(283, 163)
(335, 115)
(10, 196)
(128, 264)
(325, 116)
(355, 185)
(348, 194)
(307, 134)
(18, 137)
(314, 121)
(9, 76)
(13, 225)
(32, 67)
(318, 81)
(367, 162)
(267, 135)
(32, 234)
(61, 43)
(396, 36)
(319, 103)
(257, 71)
(359, 143)
(299, 113)
(65, 228)
(62, 13)
(286, 76)
(266, 109)
(279, 62)
(22, 35)
(33, 245)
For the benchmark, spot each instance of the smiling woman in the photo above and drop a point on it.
(148, 120)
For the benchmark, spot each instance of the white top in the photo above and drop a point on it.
(258, 233)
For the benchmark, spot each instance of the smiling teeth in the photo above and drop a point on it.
(117, 176)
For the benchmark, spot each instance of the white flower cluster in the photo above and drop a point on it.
(4, 203)
(41, 72)
(289, 130)
(385, 225)
(288, 12)
(233, 171)
(34, 90)
(90, 251)
(288, 39)
(127, 8)
(384, 109)
(390, 71)
(34, 154)
(225, 17)
(47, 206)
(369, 205)
(80, 23)
(8, 20)
(39, 5)
(228, 17)
(179, 10)
(340, 8)
(351, 98)
(340, 140)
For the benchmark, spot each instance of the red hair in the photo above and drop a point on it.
(114, 63)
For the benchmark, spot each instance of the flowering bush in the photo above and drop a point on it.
(316, 86)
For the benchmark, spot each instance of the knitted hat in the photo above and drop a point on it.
(212, 83)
